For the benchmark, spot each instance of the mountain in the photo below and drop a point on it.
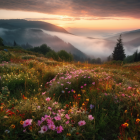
(126, 36)
(24, 24)
(36, 37)
(130, 39)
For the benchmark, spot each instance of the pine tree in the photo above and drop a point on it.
(118, 53)
(15, 44)
(136, 56)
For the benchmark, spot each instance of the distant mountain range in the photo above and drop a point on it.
(30, 32)
(24, 24)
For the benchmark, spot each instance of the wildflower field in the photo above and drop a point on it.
(42, 99)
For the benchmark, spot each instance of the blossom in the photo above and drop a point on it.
(24, 130)
(67, 116)
(53, 113)
(39, 122)
(93, 83)
(59, 129)
(43, 129)
(7, 131)
(38, 107)
(81, 86)
(27, 122)
(85, 84)
(47, 99)
(106, 94)
(51, 126)
(67, 122)
(49, 121)
(90, 117)
(91, 106)
(123, 94)
(81, 123)
(57, 118)
(49, 108)
(43, 93)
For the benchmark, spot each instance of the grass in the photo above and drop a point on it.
(44, 99)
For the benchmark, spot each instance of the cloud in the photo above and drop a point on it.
(63, 19)
(77, 8)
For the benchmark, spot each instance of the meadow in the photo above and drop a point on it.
(42, 99)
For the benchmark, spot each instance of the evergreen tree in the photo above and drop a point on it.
(118, 53)
(15, 44)
(136, 56)
(1, 42)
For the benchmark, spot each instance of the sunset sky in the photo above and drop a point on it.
(78, 16)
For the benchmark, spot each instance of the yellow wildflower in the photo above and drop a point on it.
(125, 111)
(87, 100)
(68, 134)
(126, 124)
(21, 122)
(83, 104)
(79, 95)
(13, 126)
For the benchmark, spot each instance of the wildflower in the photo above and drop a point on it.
(13, 126)
(72, 90)
(81, 86)
(63, 91)
(68, 134)
(30, 128)
(77, 133)
(47, 99)
(67, 116)
(51, 126)
(123, 94)
(85, 84)
(106, 94)
(125, 111)
(38, 107)
(87, 100)
(27, 122)
(137, 120)
(43, 93)
(7, 131)
(43, 129)
(67, 122)
(81, 123)
(93, 83)
(90, 117)
(21, 122)
(57, 118)
(49, 108)
(39, 122)
(83, 104)
(59, 129)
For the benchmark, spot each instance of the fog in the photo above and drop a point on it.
(93, 47)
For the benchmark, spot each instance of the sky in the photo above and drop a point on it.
(101, 18)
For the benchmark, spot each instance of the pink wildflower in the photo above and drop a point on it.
(90, 117)
(67, 116)
(49, 108)
(43, 129)
(59, 129)
(47, 99)
(81, 123)
(67, 122)
(57, 118)
(27, 122)
(51, 126)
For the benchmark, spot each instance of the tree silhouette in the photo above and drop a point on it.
(118, 53)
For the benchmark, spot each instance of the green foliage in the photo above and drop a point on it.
(65, 56)
(52, 54)
(5, 56)
(1, 42)
(96, 61)
(118, 53)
